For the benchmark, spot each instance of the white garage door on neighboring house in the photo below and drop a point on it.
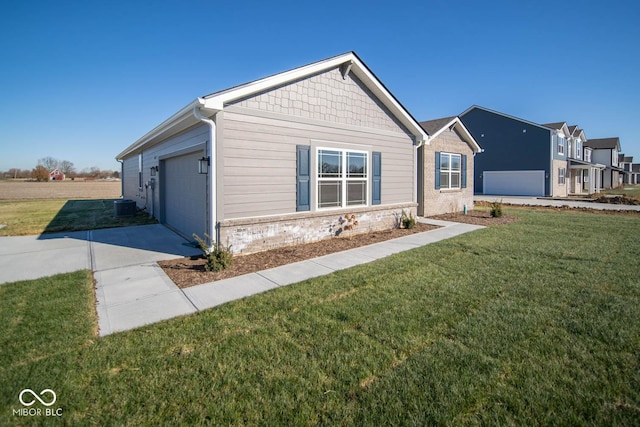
(184, 194)
(513, 183)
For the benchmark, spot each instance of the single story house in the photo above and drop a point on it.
(520, 158)
(313, 152)
(445, 167)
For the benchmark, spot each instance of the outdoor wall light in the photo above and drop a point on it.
(203, 165)
(154, 170)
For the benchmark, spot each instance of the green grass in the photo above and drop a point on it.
(535, 322)
(25, 217)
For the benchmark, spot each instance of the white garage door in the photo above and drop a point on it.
(184, 195)
(513, 183)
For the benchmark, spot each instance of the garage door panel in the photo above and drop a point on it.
(514, 183)
(184, 195)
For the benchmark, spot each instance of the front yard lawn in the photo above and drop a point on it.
(25, 217)
(535, 322)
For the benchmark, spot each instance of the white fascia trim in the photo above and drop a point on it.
(457, 123)
(178, 117)
(217, 102)
(184, 114)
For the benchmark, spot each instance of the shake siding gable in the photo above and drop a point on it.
(327, 97)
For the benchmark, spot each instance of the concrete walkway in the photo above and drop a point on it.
(132, 290)
(555, 202)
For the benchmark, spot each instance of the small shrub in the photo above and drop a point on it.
(219, 257)
(496, 209)
(408, 221)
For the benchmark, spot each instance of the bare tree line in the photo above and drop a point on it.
(48, 164)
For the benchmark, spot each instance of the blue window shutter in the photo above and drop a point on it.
(463, 178)
(376, 189)
(437, 170)
(303, 178)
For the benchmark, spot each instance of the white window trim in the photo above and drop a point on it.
(344, 179)
(450, 171)
(578, 149)
(562, 176)
(561, 146)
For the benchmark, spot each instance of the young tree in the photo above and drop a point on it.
(40, 173)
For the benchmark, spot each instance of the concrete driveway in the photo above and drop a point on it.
(131, 289)
(556, 202)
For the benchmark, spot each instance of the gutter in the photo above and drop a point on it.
(212, 172)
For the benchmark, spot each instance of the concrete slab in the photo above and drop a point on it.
(121, 247)
(213, 294)
(294, 273)
(343, 260)
(27, 258)
(144, 311)
(128, 284)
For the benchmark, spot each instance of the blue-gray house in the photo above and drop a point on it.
(520, 158)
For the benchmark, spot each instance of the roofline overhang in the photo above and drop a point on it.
(215, 102)
(179, 121)
(457, 123)
(505, 115)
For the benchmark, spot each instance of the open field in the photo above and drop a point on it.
(22, 190)
(530, 323)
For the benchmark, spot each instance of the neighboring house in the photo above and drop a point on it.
(520, 157)
(582, 174)
(56, 175)
(625, 163)
(635, 173)
(606, 152)
(445, 167)
(293, 158)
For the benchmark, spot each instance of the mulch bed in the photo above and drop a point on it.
(187, 272)
(477, 218)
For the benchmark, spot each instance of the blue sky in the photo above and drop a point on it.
(82, 80)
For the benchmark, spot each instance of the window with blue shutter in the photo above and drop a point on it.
(437, 180)
(303, 178)
(376, 178)
(463, 178)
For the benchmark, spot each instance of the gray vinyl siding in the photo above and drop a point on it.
(260, 161)
(130, 178)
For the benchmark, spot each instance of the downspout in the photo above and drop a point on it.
(121, 178)
(416, 165)
(213, 189)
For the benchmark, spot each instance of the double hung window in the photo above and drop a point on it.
(450, 169)
(342, 178)
(560, 145)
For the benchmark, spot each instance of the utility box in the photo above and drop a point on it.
(124, 208)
